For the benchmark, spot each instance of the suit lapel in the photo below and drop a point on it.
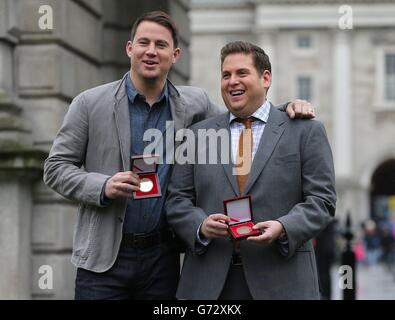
(223, 122)
(122, 122)
(177, 109)
(271, 135)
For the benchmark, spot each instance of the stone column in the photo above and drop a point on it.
(18, 164)
(19, 167)
(342, 122)
(51, 67)
(342, 105)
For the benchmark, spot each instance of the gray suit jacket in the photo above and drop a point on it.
(291, 179)
(94, 144)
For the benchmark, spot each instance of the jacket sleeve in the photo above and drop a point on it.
(182, 213)
(63, 169)
(308, 218)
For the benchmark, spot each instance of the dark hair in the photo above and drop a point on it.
(260, 58)
(161, 18)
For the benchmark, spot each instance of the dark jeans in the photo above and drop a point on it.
(142, 274)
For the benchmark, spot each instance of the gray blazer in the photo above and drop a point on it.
(292, 179)
(94, 144)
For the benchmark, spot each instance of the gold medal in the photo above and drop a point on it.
(244, 230)
(146, 185)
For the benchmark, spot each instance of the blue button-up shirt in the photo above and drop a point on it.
(147, 215)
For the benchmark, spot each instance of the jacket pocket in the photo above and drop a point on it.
(85, 230)
(289, 158)
(304, 247)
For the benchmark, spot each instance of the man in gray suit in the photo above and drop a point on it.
(290, 181)
(123, 248)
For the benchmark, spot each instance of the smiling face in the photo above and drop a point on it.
(151, 53)
(243, 88)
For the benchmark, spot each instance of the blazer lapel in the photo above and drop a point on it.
(122, 122)
(223, 122)
(177, 109)
(271, 135)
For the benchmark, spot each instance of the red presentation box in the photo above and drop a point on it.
(146, 167)
(239, 210)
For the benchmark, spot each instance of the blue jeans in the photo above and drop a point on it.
(141, 274)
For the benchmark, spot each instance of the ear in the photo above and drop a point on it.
(267, 78)
(129, 48)
(176, 54)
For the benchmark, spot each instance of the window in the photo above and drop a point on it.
(304, 88)
(389, 77)
(304, 42)
(385, 78)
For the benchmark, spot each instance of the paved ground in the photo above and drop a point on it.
(373, 283)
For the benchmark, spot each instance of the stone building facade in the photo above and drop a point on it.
(340, 57)
(40, 73)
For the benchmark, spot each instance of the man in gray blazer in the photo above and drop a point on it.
(123, 247)
(291, 183)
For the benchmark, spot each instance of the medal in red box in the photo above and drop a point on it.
(146, 167)
(239, 210)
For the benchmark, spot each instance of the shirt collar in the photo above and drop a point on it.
(133, 93)
(262, 113)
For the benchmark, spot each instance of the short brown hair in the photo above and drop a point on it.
(260, 58)
(161, 18)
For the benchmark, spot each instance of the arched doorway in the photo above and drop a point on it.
(382, 192)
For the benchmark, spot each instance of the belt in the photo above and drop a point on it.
(236, 255)
(146, 240)
(237, 259)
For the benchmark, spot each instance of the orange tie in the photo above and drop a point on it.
(244, 154)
